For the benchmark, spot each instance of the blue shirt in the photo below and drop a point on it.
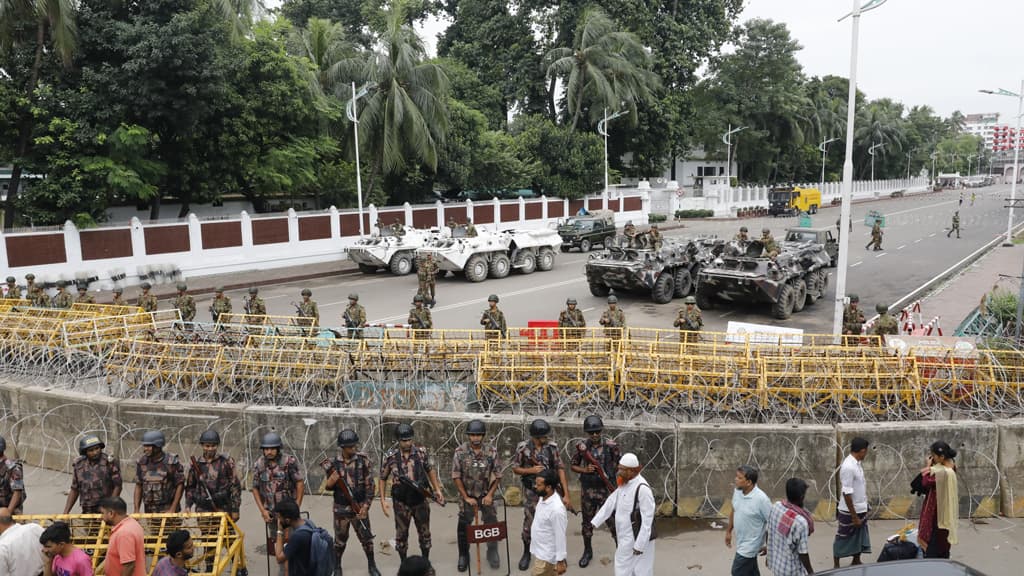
(749, 519)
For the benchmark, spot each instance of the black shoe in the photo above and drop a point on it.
(588, 555)
(524, 562)
(463, 561)
(373, 569)
(492, 556)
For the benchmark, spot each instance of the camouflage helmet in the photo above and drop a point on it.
(766, 231)
(145, 285)
(218, 289)
(353, 296)
(492, 298)
(570, 302)
(182, 287)
(61, 283)
(743, 228)
(417, 298)
(854, 298)
(11, 280)
(254, 290)
(118, 290)
(613, 299)
(30, 276)
(307, 292)
(83, 287)
(689, 300)
(881, 308)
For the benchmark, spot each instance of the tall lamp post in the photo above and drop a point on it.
(1016, 155)
(871, 152)
(851, 103)
(602, 129)
(352, 112)
(824, 150)
(727, 140)
(934, 155)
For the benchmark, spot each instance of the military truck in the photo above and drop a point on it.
(789, 200)
(584, 232)
(740, 272)
(494, 254)
(387, 250)
(670, 272)
(821, 236)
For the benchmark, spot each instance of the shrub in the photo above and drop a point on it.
(655, 218)
(694, 213)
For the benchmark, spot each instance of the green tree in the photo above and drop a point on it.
(571, 163)
(323, 44)
(880, 122)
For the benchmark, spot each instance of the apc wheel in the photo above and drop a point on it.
(783, 306)
(704, 301)
(565, 248)
(584, 245)
(546, 259)
(529, 260)
(401, 264)
(664, 288)
(476, 268)
(599, 290)
(367, 269)
(800, 294)
(684, 282)
(500, 266)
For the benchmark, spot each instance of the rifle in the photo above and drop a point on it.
(298, 310)
(582, 448)
(414, 485)
(570, 507)
(247, 305)
(199, 481)
(494, 325)
(346, 493)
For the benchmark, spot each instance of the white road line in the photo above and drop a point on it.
(932, 235)
(880, 255)
(724, 314)
(591, 309)
(856, 264)
(918, 240)
(902, 247)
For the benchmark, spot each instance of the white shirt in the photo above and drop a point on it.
(851, 478)
(547, 533)
(19, 550)
(620, 503)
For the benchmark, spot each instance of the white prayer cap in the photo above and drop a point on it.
(629, 460)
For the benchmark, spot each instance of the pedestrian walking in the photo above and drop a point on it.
(789, 529)
(595, 460)
(548, 528)
(532, 457)
(413, 476)
(180, 549)
(126, 553)
(12, 481)
(159, 477)
(852, 535)
(937, 528)
(632, 505)
(276, 477)
(351, 480)
(476, 473)
(62, 558)
(213, 483)
(748, 522)
(95, 475)
(955, 226)
(19, 546)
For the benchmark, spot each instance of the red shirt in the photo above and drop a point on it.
(126, 546)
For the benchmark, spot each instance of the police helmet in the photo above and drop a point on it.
(182, 287)
(254, 290)
(613, 299)
(854, 298)
(307, 292)
(88, 443)
(353, 296)
(209, 437)
(417, 298)
(689, 300)
(593, 423)
(476, 427)
(881, 308)
(145, 285)
(492, 298)
(539, 428)
(347, 437)
(154, 438)
(271, 440)
(404, 432)
(571, 301)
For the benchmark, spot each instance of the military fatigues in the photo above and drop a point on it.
(220, 306)
(853, 320)
(689, 323)
(613, 321)
(470, 230)
(158, 480)
(955, 227)
(593, 492)
(309, 314)
(147, 302)
(426, 273)
(95, 481)
(62, 299)
(276, 480)
(477, 471)
(420, 319)
(355, 318)
(221, 478)
(886, 324)
(528, 456)
(494, 323)
(771, 247)
(655, 238)
(13, 292)
(186, 305)
(255, 308)
(572, 322)
(12, 478)
(85, 299)
(876, 237)
(359, 477)
(38, 296)
(409, 505)
(118, 301)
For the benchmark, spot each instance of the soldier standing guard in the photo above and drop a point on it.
(533, 457)
(876, 237)
(221, 305)
(885, 324)
(420, 318)
(94, 476)
(571, 321)
(186, 305)
(426, 273)
(147, 301)
(476, 472)
(412, 474)
(689, 321)
(62, 299)
(613, 319)
(12, 481)
(275, 477)
(159, 477)
(35, 292)
(354, 317)
(350, 472)
(83, 295)
(853, 318)
(493, 319)
(309, 314)
(255, 308)
(594, 490)
(213, 483)
(13, 291)
(118, 300)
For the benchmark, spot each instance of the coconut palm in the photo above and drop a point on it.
(605, 68)
(323, 43)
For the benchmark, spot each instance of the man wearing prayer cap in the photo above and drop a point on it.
(634, 555)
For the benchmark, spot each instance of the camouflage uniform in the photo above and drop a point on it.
(494, 323)
(770, 246)
(309, 314)
(85, 298)
(613, 321)
(593, 492)
(359, 477)
(470, 230)
(741, 237)
(655, 237)
(886, 324)
(158, 480)
(426, 273)
(37, 295)
(420, 318)
(220, 306)
(528, 456)
(397, 229)
(255, 306)
(147, 301)
(630, 233)
(186, 304)
(13, 291)
(572, 322)
(876, 237)
(95, 481)
(62, 299)
(956, 225)
(276, 480)
(355, 319)
(12, 478)
(477, 471)
(689, 321)
(853, 320)
(220, 476)
(118, 301)
(409, 507)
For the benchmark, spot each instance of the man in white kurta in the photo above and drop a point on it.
(634, 555)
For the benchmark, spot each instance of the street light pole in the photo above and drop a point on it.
(871, 152)
(824, 150)
(727, 140)
(352, 112)
(1016, 156)
(933, 156)
(602, 129)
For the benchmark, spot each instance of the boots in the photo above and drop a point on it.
(588, 553)
(371, 565)
(492, 555)
(425, 552)
(524, 562)
(463, 547)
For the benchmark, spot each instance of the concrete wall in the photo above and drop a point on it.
(1011, 466)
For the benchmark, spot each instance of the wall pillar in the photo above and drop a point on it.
(72, 245)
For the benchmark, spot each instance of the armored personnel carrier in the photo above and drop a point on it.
(494, 254)
(664, 273)
(740, 272)
(391, 251)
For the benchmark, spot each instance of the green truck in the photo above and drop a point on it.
(584, 232)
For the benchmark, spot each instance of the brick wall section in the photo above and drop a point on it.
(424, 218)
(456, 212)
(100, 244)
(35, 250)
(221, 234)
(483, 214)
(556, 208)
(269, 231)
(613, 205)
(534, 210)
(632, 203)
(510, 212)
(350, 223)
(166, 239)
(314, 228)
(574, 206)
(594, 204)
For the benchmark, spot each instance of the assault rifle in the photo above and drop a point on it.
(426, 492)
(492, 323)
(342, 486)
(199, 482)
(582, 448)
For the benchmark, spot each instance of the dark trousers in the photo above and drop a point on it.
(743, 566)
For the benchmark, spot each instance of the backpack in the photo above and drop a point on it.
(322, 561)
(635, 518)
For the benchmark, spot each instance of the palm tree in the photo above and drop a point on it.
(878, 125)
(323, 43)
(239, 13)
(605, 68)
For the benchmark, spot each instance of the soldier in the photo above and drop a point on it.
(613, 319)
(186, 305)
(35, 292)
(689, 321)
(13, 291)
(354, 317)
(62, 299)
(742, 236)
(876, 237)
(956, 225)
(221, 305)
(412, 475)
(380, 227)
(493, 319)
(426, 273)
(255, 308)
(655, 236)
(95, 475)
(213, 483)
(885, 324)
(159, 477)
(275, 477)
(350, 472)
(476, 472)
(397, 228)
(420, 318)
(147, 301)
(470, 229)
(83, 295)
(533, 457)
(12, 481)
(594, 490)
(118, 300)
(771, 247)
(629, 231)
(308, 313)
(452, 225)
(571, 321)
(853, 318)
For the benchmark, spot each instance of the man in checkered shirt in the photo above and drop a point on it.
(789, 527)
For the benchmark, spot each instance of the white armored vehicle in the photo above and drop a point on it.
(494, 254)
(395, 252)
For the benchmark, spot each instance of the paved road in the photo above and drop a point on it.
(915, 250)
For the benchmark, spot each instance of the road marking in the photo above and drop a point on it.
(932, 235)
(591, 309)
(858, 263)
(918, 240)
(902, 247)
(880, 255)
(724, 314)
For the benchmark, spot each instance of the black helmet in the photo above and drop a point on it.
(476, 427)
(89, 442)
(404, 432)
(539, 428)
(593, 423)
(347, 437)
(209, 437)
(3, 445)
(154, 438)
(271, 440)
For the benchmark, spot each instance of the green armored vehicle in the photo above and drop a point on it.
(584, 232)
(664, 273)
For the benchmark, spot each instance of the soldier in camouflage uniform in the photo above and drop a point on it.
(493, 319)
(354, 317)
(83, 295)
(885, 324)
(62, 299)
(275, 477)
(742, 236)
(409, 462)
(95, 475)
(955, 227)
(221, 305)
(876, 237)
(593, 491)
(186, 305)
(470, 229)
(118, 300)
(159, 477)
(35, 293)
(571, 321)
(147, 301)
(689, 321)
(13, 291)
(476, 472)
(216, 485)
(654, 236)
(770, 246)
(613, 319)
(853, 318)
(12, 481)
(352, 467)
(307, 311)
(397, 229)
(420, 318)
(426, 273)
(629, 231)
(533, 457)
(255, 308)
